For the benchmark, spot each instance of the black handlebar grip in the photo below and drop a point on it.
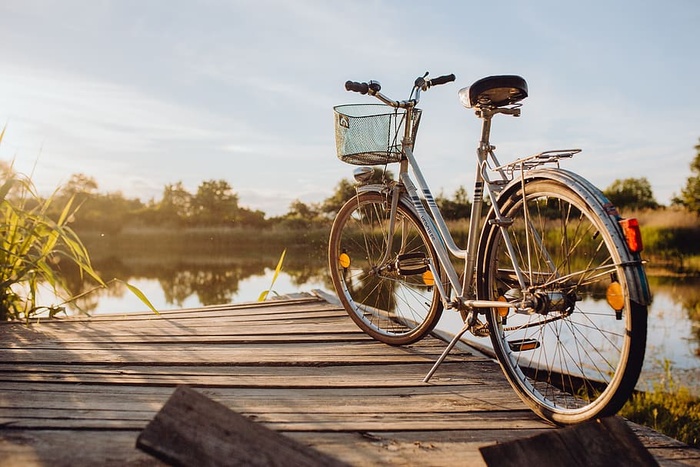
(441, 80)
(354, 86)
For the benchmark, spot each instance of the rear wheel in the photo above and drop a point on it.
(577, 351)
(390, 294)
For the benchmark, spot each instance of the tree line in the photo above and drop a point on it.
(215, 204)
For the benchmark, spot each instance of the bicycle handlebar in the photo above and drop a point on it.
(425, 84)
(373, 87)
(362, 88)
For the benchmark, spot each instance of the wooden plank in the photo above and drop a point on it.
(52, 405)
(464, 372)
(273, 309)
(433, 398)
(365, 352)
(319, 422)
(195, 326)
(193, 430)
(85, 342)
(599, 443)
(104, 448)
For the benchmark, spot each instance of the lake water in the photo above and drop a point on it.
(673, 336)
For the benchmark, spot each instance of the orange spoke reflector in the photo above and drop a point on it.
(615, 297)
(428, 278)
(523, 345)
(344, 260)
(633, 235)
(503, 312)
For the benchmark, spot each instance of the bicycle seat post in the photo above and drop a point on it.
(485, 147)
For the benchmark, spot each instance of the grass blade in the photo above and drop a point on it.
(263, 296)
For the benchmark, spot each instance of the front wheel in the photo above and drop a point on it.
(576, 351)
(388, 291)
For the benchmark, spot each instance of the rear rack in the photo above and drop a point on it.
(542, 158)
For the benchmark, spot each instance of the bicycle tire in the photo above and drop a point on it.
(581, 360)
(392, 301)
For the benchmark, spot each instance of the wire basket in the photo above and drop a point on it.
(370, 134)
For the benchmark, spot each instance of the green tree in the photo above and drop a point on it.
(456, 208)
(302, 210)
(176, 205)
(250, 218)
(98, 212)
(631, 193)
(300, 215)
(345, 189)
(690, 193)
(79, 186)
(215, 203)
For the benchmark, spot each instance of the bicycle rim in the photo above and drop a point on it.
(389, 294)
(580, 359)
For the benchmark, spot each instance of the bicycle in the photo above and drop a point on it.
(549, 262)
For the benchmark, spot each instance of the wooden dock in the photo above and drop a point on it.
(79, 391)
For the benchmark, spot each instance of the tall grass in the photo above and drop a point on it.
(670, 239)
(669, 408)
(33, 246)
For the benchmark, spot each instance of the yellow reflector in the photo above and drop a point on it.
(615, 297)
(502, 311)
(344, 260)
(428, 278)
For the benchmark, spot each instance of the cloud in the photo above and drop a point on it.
(139, 97)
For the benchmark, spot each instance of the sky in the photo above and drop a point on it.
(139, 94)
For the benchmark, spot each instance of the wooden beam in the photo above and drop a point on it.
(605, 442)
(193, 430)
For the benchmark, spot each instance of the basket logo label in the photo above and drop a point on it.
(344, 121)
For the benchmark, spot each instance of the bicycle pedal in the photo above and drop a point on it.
(502, 222)
(522, 345)
(480, 329)
(411, 263)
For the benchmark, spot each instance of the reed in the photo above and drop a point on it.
(669, 408)
(33, 249)
(671, 248)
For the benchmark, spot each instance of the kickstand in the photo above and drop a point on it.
(447, 350)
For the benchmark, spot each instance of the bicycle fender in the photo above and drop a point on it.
(376, 187)
(632, 263)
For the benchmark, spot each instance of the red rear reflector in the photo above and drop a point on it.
(633, 235)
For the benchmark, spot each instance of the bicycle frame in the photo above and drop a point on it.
(435, 225)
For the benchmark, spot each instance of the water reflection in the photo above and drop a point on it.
(202, 280)
(674, 331)
(685, 295)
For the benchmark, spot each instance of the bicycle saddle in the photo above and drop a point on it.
(494, 91)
